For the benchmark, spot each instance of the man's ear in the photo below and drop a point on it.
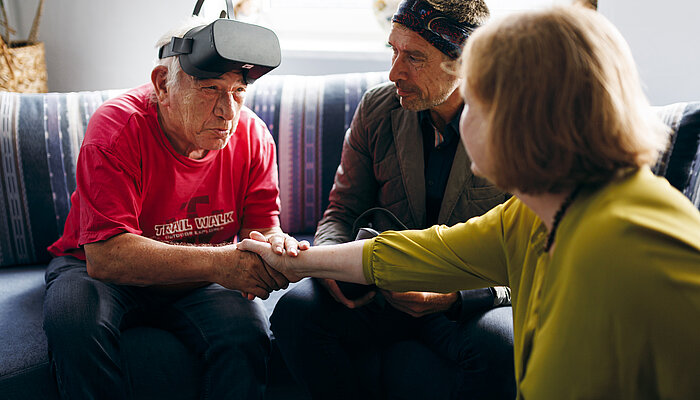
(159, 78)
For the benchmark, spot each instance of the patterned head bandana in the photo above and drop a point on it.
(443, 32)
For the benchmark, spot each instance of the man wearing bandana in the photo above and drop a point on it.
(402, 153)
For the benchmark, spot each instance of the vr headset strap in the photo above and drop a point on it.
(198, 8)
(176, 47)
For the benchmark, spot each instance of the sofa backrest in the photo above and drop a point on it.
(40, 136)
(680, 163)
(308, 117)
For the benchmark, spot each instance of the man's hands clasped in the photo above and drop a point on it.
(257, 276)
(334, 290)
(419, 304)
(244, 271)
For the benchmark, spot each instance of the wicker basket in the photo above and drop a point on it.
(23, 67)
(23, 63)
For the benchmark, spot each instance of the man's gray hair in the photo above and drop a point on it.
(173, 63)
(473, 12)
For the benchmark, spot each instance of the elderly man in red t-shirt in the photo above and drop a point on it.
(169, 174)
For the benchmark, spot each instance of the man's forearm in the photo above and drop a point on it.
(130, 259)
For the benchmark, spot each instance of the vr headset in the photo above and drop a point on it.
(225, 45)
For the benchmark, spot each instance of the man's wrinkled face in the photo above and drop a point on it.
(204, 113)
(416, 71)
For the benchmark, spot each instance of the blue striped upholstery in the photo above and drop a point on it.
(308, 117)
(40, 136)
(680, 164)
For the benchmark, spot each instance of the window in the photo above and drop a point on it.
(325, 25)
(346, 26)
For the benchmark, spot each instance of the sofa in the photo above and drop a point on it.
(40, 137)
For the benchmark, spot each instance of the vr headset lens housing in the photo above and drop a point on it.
(226, 45)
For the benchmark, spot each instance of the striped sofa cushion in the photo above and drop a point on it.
(40, 136)
(308, 117)
(680, 164)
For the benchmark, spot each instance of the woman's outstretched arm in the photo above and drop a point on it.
(342, 262)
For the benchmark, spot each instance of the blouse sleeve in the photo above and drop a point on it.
(440, 259)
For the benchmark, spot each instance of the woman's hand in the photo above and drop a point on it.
(341, 262)
(281, 243)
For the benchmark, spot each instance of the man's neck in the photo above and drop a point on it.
(443, 113)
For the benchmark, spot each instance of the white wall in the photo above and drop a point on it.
(664, 39)
(100, 44)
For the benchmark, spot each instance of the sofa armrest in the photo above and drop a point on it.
(680, 163)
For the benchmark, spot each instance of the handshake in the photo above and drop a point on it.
(281, 259)
(262, 264)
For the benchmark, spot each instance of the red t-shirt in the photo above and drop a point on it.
(130, 179)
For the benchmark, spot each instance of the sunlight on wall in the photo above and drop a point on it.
(341, 25)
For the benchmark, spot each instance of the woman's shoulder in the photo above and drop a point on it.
(638, 221)
(639, 202)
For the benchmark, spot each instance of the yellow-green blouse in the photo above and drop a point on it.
(612, 313)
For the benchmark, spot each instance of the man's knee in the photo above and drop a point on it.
(74, 323)
(487, 360)
(303, 304)
(492, 332)
(71, 303)
(229, 321)
(247, 339)
(250, 330)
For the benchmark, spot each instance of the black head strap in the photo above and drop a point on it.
(176, 47)
(229, 8)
